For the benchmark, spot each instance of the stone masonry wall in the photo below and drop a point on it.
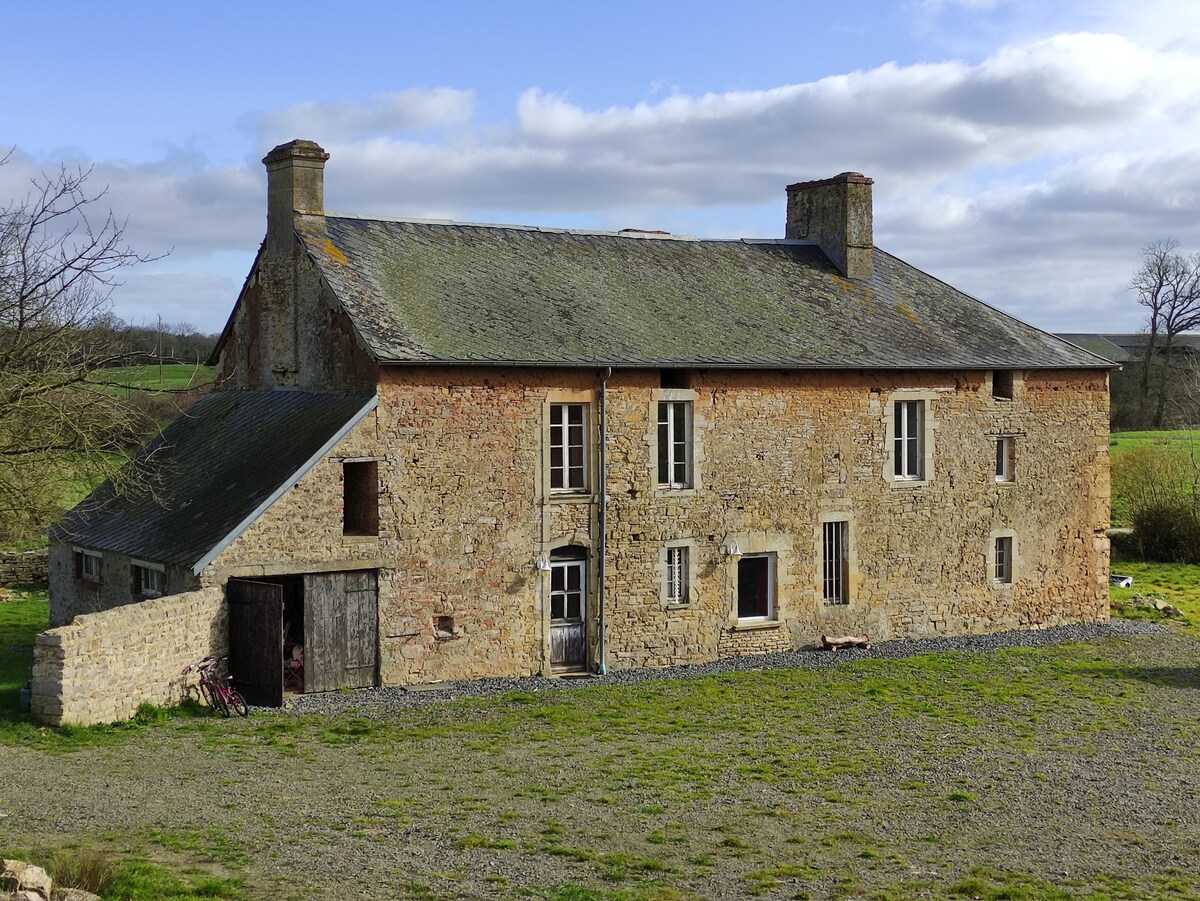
(24, 567)
(465, 510)
(102, 666)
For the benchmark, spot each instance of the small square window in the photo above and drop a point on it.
(677, 575)
(1002, 384)
(1004, 459)
(1003, 574)
(360, 498)
(147, 581)
(568, 447)
(675, 444)
(88, 566)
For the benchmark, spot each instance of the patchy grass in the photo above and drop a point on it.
(1121, 442)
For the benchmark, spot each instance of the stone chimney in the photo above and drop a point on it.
(295, 184)
(836, 213)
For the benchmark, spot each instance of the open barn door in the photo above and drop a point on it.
(256, 640)
(341, 629)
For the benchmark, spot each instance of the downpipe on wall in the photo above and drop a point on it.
(602, 521)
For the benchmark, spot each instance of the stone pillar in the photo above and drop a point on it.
(836, 213)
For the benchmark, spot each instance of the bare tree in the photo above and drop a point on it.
(1168, 285)
(60, 418)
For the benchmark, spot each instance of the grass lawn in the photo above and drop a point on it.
(1037, 773)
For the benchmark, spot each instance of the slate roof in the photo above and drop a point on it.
(427, 292)
(213, 468)
(1098, 344)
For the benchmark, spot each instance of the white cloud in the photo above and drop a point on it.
(392, 113)
(1031, 177)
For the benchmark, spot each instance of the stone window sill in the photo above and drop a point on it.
(360, 541)
(677, 606)
(571, 497)
(755, 625)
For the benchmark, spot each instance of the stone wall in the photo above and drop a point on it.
(103, 665)
(24, 567)
(465, 510)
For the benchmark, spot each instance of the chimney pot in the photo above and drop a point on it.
(836, 213)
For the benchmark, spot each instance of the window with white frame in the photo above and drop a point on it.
(756, 587)
(147, 580)
(1004, 459)
(909, 449)
(1002, 573)
(835, 562)
(568, 447)
(88, 566)
(677, 575)
(675, 443)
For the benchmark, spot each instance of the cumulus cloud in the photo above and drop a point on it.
(1032, 175)
(392, 113)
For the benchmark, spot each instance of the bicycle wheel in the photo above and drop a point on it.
(238, 703)
(206, 694)
(220, 701)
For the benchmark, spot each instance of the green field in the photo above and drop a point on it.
(169, 377)
(1120, 442)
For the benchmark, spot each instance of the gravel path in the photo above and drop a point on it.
(377, 700)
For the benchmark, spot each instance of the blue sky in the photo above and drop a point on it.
(1022, 151)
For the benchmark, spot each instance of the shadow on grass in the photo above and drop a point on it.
(1170, 676)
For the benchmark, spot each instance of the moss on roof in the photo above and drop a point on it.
(446, 292)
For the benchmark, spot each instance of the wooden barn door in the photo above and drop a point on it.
(341, 630)
(256, 640)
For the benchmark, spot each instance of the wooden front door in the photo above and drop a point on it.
(568, 614)
(341, 630)
(256, 640)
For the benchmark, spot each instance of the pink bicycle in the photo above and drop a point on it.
(217, 692)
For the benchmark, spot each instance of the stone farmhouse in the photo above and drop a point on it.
(444, 450)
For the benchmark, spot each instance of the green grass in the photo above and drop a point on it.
(171, 377)
(1176, 583)
(20, 621)
(1120, 442)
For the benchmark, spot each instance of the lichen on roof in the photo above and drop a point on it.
(460, 293)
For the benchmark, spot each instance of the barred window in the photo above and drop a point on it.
(677, 575)
(835, 562)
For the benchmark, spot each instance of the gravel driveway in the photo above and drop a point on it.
(1058, 768)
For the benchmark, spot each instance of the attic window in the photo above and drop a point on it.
(360, 511)
(674, 378)
(1002, 384)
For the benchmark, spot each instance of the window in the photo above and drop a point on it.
(909, 451)
(1002, 384)
(677, 575)
(360, 498)
(147, 580)
(88, 566)
(1003, 573)
(675, 443)
(835, 562)
(755, 587)
(1004, 459)
(568, 447)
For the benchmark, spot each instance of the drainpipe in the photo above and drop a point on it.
(602, 518)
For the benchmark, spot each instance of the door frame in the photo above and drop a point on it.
(565, 560)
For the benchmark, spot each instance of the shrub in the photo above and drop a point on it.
(1159, 486)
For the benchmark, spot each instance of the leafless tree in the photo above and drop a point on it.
(1168, 285)
(60, 418)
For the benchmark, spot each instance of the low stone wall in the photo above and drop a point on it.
(103, 665)
(24, 567)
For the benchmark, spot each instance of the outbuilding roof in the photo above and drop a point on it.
(437, 292)
(212, 472)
